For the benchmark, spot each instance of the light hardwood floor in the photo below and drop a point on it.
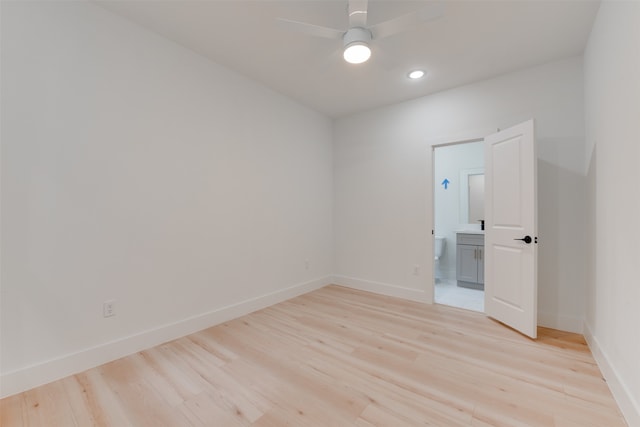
(337, 357)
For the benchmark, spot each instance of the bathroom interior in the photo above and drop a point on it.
(459, 226)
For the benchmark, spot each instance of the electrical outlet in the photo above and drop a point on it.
(416, 270)
(109, 308)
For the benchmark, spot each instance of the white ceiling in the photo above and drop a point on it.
(474, 40)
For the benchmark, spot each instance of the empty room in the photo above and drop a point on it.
(319, 213)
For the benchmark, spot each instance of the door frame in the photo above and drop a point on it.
(454, 139)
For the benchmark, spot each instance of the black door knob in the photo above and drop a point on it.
(526, 239)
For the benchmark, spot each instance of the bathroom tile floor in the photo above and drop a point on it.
(448, 293)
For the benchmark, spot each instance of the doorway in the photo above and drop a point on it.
(459, 237)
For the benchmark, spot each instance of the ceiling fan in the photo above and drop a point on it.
(358, 36)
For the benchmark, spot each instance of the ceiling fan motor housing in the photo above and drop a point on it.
(356, 35)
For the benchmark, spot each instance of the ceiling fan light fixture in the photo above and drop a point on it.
(356, 45)
(357, 53)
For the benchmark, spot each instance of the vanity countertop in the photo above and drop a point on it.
(470, 231)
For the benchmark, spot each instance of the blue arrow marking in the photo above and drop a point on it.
(445, 183)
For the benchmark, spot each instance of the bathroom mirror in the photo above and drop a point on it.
(471, 196)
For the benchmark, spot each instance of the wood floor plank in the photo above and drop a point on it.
(208, 412)
(337, 357)
(13, 411)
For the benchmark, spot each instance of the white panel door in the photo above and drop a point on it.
(511, 286)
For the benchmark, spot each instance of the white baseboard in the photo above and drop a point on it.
(35, 375)
(628, 405)
(382, 288)
(560, 322)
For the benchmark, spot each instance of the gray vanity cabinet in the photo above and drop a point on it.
(470, 260)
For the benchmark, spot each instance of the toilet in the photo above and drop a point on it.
(440, 244)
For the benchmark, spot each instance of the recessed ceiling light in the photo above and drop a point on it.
(416, 74)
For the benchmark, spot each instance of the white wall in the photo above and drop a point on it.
(612, 99)
(136, 170)
(382, 210)
(448, 162)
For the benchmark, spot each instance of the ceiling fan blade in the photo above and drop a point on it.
(311, 29)
(358, 13)
(407, 22)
